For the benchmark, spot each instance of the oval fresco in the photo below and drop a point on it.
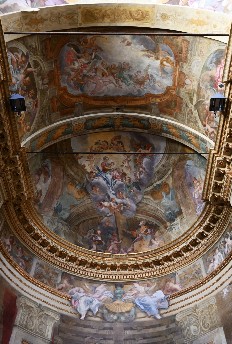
(118, 192)
(116, 66)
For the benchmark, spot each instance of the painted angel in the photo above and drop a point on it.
(146, 300)
(84, 299)
(228, 244)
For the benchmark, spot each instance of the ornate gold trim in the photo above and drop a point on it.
(103, 266)
(217, 187)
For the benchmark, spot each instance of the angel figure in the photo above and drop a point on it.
(171, 286)
(87, 299)
(146, 300)
(228, 244)
(65, 284)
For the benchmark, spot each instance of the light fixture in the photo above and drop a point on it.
(17, 103)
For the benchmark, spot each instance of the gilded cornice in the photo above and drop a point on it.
(24, 222)
(21, 216)
(217, 187)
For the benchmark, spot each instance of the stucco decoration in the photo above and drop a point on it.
(198, 320)
(119, 305)
(13, 6)
(113, 302)
(215, 336)
(153, 15)
(206, 322)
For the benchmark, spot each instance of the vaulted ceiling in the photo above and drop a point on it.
(117, 170)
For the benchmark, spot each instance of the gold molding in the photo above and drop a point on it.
(217, 188)
(25, 224)
(125, 14)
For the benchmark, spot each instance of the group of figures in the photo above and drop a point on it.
(116, 185)
(23, 82)
(20, 255)
(119, 304)
(97, 66)
(220, 252)
(113, 185)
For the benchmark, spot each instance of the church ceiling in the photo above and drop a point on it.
(105, 175)
(116, 134)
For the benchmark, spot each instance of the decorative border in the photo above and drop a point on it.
(158, 16)
(118, 122)
(26, 225)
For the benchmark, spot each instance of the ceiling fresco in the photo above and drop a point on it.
(116, 66)
(126, 205)
(118, 203)
(66, 76)
(212, 5)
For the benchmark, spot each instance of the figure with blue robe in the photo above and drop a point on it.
(146, 300)
(152, 304)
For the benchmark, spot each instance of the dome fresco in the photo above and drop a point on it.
(134, 186)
